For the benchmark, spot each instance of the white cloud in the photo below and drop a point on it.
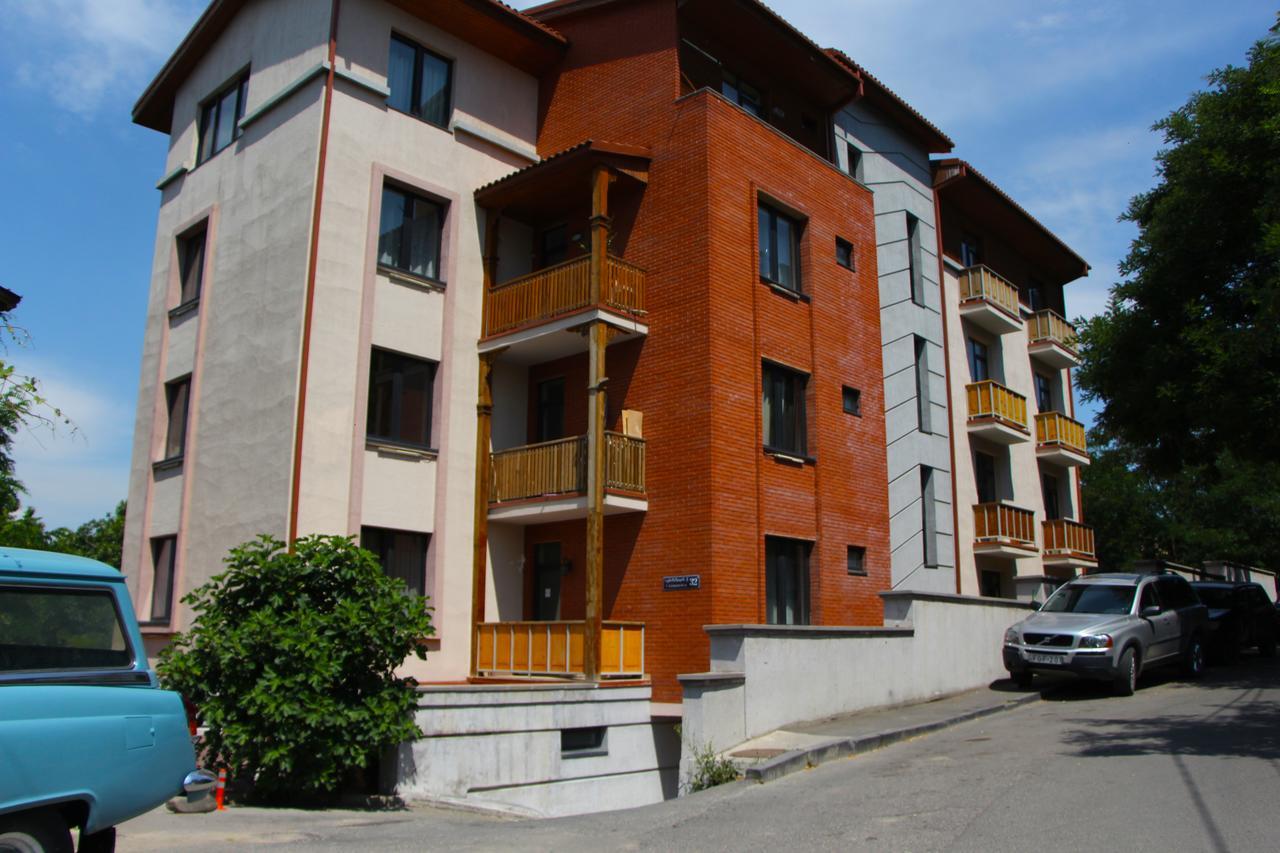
(80, 53)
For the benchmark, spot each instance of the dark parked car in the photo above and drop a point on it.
(1240, 617)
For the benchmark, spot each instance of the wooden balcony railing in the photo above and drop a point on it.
(1056, 428)
(1063, 536)
(556, 648)
(983, 283)
(1001, 522)
(1048, 325)
(560, 467)
(562, 289)
(990, 399)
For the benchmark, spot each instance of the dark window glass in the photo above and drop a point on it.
(786, 581)
(854, 160)
(550, 413)
(1090, 598)
(400, 392)
(403, 555)
(970, 251)
(1175, 592)
(1044, 399)
(164, 555)
(191, 264)
(555, 245)
(779, 249)
(978, 369)
(46, 629)
(743, 94)
(989, 584)
(856, 560)
(548, 568)
(419, 82)
(923, 405)
(177, 400)
(784, 405)
(929, 513)
(914, 269)
(1049, 486)
(984, 474)
(844, 253)
(583, 741)
(1035, 297)
(220, 118)
(852, 401)
(1149, 598)
(409, 233)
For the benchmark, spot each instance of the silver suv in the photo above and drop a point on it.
(1110, 627)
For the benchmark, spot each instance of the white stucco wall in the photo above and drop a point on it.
(897, 171)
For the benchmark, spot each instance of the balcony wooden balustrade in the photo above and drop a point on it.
(561, 290)
(1049, 326)
(1063, 537)
(1003, 527)
(1054, 429)
(990, 402)
(560, 468)
(555, 649)
(980, 285)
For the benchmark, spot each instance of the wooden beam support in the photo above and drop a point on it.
(484, 429)
(597, 341)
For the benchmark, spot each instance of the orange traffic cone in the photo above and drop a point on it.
(220, 791)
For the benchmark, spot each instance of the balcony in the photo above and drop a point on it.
(1052, 340)
(536, 314)
(996, 413)
(989, 301)
(1003, 530)
(544, 482)
(556, 649)
(1068, 545)
(1060, 440)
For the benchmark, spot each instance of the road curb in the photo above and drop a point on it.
(820, 753)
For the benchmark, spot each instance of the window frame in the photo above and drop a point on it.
(190, 268)
(915, 261)
(367, 531)
(801, 583)
(170, 571)
(403, 263)
(396, 403)
(973, 346)
(733, 87)
(920, 366)
(929, 516)
(799, 386)
(171, 390)
(420, 54)
(35, 675)
(209, 117)
(856, 561)
(851, 401)
(845, 247)
(772, 275)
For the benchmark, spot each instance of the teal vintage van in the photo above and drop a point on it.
(87, 737)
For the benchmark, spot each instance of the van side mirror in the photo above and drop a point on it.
(1149, 611)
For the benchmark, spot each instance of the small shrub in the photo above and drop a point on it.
(291, 662)
(710, 769)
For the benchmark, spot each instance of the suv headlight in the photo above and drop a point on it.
(1096, 641)
(1011, 636)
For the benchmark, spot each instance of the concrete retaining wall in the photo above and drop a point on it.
(500, 746)
(764, 677)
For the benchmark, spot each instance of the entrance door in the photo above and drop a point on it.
(546, 559)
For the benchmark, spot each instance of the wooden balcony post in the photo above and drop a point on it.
(599, 225)
(594, 580)
(480, 555)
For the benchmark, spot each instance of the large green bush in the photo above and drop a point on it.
(291, 662)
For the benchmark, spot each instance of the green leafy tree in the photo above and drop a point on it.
(291, 662)
(1186, 360)
(101, 539)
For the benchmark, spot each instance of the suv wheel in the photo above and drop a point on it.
(1193, 658)
(1126, 680)
(41, 832)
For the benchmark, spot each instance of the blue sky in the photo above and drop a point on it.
(1053, 100)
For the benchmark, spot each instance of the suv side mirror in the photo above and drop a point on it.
(1149, 611)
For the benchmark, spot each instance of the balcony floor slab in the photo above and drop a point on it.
(1060, 454)
(1053, 354)
(997, 431)
(558, 337)
(986, 315)
(561, 508)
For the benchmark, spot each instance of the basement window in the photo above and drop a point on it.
(584, 742)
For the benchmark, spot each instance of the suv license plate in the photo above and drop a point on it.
(1056, 660)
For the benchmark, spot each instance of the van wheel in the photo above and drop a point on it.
(40, 832)
(1126, 681)
(1193, 658)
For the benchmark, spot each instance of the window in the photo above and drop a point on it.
(922, 384)
(419, 81)
(779, 249)
(852, 401)
(163, 559)
(978, 369)
(579, 743)
(844, 253)
(970, 251)
(403, 555)
(1175, 592)
(984, 475)
(1035, 296)
(555, 245)
(409, 233)
(853, 163)
(989, 584)
(177, 396)
(784, 404)
(856, 560)
(1044, 398)
(220, 118)
(68, 629)
(1049, 489)
(743, 94)
(191, 264)
(913, 260)
(929, 513)
(1148, 599)
(400, 391)
(786, 574)
(549, 423)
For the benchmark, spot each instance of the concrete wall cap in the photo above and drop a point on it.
(952, 598)
(805, 631)
(712, 678)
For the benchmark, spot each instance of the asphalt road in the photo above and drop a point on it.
(1177, 767)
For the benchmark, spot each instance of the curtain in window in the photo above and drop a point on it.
(390, 228)
(785, 239)
(400, 76)
(786, 582)
(766, 243)
(162, 556)
(406, 560)
(434, 100)
(423, 235)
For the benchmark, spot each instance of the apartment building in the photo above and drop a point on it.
(1018, 447)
